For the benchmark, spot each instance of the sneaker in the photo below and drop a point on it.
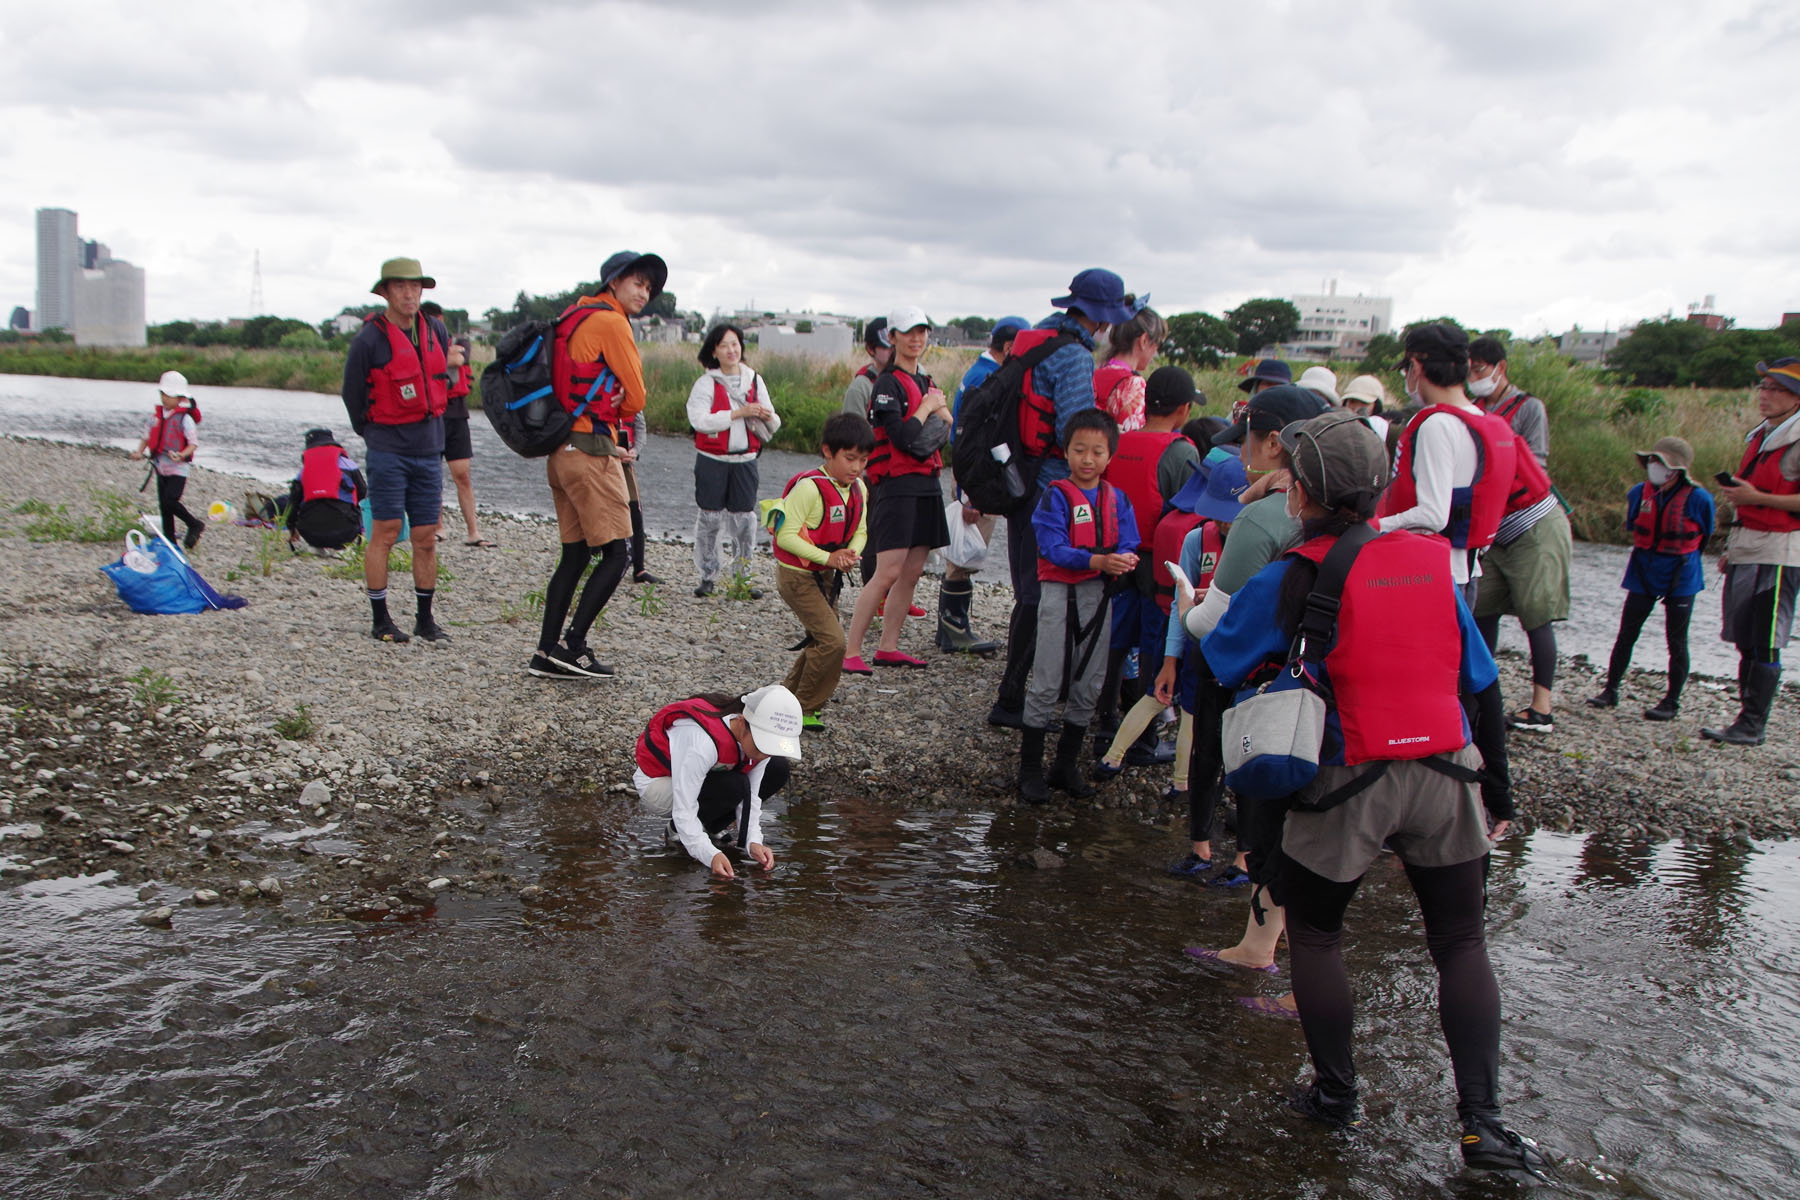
(193, 538)
(912, 610)
(1339, 1114)
(812, 723)
(1230, 877)
(582, 662)
(387, 631)
(705, 589)
(897, 658)
(1490, 1146)
(1531, 720)
(645, 577)
(430, 631)
(1176, 797)
(544, 667)
(1104, 771)
(1605, 698)
(1665, 710)
(854, 665)
(1191, 867)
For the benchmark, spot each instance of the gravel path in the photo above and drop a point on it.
(150, 745)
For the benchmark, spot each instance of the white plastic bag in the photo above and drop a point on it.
(967, 548)
(137, 553)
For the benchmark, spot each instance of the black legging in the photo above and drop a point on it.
(1206, 760)
(1542, 641)
(1452, 900)
(1678, 611)
(725, 796)
(168, 500)
(637, 538)
(561, 591)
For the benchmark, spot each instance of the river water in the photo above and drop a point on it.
(900, 1009)
(258, 432)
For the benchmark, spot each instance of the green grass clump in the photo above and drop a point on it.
(298, 725)
(116, 515)
(152, 688)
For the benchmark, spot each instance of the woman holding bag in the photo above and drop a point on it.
(732, 416)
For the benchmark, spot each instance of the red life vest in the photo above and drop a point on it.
(1133, 471)
(1531, 483)
(868, 372)
(166, 434)
(587, 389)
(1508, 408)
(1171, 535)
(1763, 472)
(465, 379)
(888, 460)
(653, 744)
(1475, 510)
(720, 442)
(321, 478)
(1662, 524)
(1097, 533)
(1107, 378)
(843, 514)
(1395, 667)
(413, 386)
(1037, 412)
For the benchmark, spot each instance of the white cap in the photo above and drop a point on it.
(174, 383)
(907, 316)
(1320, 380)
(774, 718)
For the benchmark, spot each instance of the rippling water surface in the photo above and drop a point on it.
(899, 1010)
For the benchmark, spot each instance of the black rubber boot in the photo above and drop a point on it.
(1066, 773)
(1032, 787)
(954, 632)
(1021, 646)
(1761, 682)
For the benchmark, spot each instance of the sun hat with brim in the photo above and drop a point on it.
(403, 268)
(1337, 458)
(1100, 295)
(174, 384)
(627, 261)
(1320, 380)
(1267, 370)
(1214, 494)
(1785, 371)
(773, 715)
(1365, 387)
(1274, 409)
(1673, 452)
(907, 317)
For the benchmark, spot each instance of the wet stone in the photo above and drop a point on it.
(1041, 859)
(156, 917)
(205, 896)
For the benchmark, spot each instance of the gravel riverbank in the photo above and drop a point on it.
(275, 755)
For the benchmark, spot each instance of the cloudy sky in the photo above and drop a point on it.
(1528, 165)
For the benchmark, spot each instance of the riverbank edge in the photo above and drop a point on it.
(420, 746)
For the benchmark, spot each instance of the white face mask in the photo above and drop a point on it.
(1293, 497)
(1482, 388)
(1658, 474)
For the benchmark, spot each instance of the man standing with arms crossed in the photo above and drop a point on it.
(396, 386)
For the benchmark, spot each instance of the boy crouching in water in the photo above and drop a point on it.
(1080, 523)
(710, 761)
(820, 524)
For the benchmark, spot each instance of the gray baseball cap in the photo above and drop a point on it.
(1337, 458)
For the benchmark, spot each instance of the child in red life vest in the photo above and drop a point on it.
(911, 420)
(708, 762)
(171, 439)
(1669, 520)
(1081, 522)
(1119, 386)
(324, 498)
(820, 524)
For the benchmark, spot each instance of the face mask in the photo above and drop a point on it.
(1658, 474)
(1481, 388)
(1293, 498)
(1412, 394)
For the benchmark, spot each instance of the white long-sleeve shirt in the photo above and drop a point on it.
(1443, 458)
(737, 387)
(691, 756)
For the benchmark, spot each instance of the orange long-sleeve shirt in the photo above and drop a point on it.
(606, 337)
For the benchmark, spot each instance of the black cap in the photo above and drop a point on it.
(1443, 342)
(625, 262)
(1273, 409)
(1169, 389)
(875, 335)
(320, 437)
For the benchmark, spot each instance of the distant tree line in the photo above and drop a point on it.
(1679, 353)
(527, 307)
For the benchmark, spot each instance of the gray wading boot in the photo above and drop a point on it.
(1760, 683)
(1066, 773)
(953, 630)
(1032, 787)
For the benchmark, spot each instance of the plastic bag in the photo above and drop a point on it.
(137, 553)
(967, 548)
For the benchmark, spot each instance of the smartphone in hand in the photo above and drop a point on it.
(1724, 479)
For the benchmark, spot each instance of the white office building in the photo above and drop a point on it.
(109, 305)
(1334, 326)
(83, 289)
(58, 258)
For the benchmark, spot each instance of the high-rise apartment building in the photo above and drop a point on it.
(58, 258)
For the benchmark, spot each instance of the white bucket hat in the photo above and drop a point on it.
(174, 383)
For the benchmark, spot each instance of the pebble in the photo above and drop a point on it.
(438, 884)
(118, 847)
(156, 917)
(269, 886)
(205, 896)
(1042, 859)
(315, 795)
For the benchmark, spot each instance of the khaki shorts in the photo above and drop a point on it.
(592, 505)
(1528, 578)
(1430, 820)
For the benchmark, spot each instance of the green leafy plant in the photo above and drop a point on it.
(33, 508)
(738, 587)
(1638, 402)
(649, 603)
(117, 516)
(298, 725)
(530, 604)
(153, 689)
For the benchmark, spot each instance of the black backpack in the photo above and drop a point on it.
(517, 393)
(989, 420)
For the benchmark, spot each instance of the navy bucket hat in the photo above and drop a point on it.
(1101, 296)
(626, 261)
